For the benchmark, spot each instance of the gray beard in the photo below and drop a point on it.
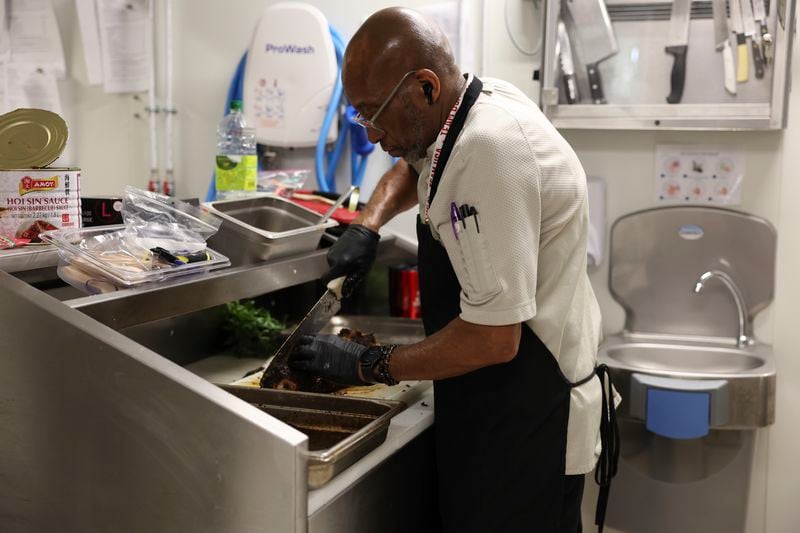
(418, 150)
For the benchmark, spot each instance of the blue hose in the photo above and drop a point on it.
(327, 179)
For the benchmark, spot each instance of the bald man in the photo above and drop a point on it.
(512, 325)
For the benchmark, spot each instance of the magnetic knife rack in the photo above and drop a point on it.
(637, 78)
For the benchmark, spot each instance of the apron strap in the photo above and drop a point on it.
(609, 438)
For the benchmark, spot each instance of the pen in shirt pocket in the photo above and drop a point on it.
(467, 211)
(454, 218)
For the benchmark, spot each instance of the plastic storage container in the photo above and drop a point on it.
(92, 250)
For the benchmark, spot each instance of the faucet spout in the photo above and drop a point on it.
(745, 336)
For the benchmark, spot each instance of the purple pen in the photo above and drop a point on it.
(454, 219)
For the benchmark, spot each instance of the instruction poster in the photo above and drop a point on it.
(698, 174)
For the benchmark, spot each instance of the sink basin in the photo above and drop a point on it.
(748, 375)
(679, 358)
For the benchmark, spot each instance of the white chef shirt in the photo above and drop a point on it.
(528, 261)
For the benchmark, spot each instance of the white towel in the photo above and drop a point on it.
(596, 245)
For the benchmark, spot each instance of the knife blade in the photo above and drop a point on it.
(742, 65)
(596, 38)
(678, 46)
(567, 65)
(722, 43)
(760, 14)
(319, 315)
(749, 24)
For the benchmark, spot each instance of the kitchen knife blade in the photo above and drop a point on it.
(319, 315)
(567, 65)
(678, 46)
(596, 37)
(749, 24)
(722, 43)
(742, 65)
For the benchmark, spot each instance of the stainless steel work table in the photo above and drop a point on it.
(101, 431)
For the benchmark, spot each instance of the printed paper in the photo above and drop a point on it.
(699, 175)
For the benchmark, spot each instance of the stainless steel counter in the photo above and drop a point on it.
(30, 258)
(103, 433)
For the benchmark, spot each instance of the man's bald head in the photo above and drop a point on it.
(391, 43)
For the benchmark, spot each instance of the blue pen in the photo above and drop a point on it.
(454, 219)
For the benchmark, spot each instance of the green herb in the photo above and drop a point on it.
(251, 330)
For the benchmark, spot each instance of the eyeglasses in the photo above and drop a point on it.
(370, 122)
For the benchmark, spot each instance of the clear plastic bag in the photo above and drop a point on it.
(282, 182)
(158, 221)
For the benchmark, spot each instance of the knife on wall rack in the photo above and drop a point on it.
(742, 64)
(597, 40)
(722, 43)
(760, 16)
(749, 24)
(565, 58)
(678, 47)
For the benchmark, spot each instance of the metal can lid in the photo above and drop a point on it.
(31, 138)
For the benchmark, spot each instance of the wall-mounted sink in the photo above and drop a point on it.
(676, 359)
(743, 378)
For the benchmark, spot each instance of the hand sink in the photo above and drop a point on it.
(684, 359)
(748, 374)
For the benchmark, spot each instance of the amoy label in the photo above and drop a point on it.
(33, 201)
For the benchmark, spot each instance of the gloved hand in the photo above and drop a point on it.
(330, 357)
(352, 255)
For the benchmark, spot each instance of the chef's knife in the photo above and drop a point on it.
(722, 43)
(760, 14)
(742, 65)
(749, 24)
(597, 40)
(319, 315)
(678, 46)
(567, 65)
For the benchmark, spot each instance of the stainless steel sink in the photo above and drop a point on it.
(680, 359)
(748, 373)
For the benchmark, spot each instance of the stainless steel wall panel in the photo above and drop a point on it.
(101, 434)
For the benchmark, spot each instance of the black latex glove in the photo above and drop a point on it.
(330, 357)
(352, 255)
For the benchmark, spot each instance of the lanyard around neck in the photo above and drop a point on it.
(447, 138)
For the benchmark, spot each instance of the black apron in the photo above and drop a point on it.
(501, 431)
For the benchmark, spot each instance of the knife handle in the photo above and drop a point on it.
(336, 285)
(766, 38)
(758, 59)
(595, 84)
(571, 88)
(728, 68)
(678, 76)
(742, 65)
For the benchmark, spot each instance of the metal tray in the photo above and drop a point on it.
(270, 227)
(340, 430)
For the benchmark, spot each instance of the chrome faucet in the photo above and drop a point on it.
(745, 335)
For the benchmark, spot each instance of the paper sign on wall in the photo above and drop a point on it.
(126, 43)
(699, 175)
(34, 36)
(30, 86)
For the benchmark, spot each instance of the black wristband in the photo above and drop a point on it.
(382, 372)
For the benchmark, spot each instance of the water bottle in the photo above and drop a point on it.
(237, 164)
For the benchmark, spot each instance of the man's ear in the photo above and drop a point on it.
(431, 86)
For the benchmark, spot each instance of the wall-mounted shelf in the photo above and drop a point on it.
(636, 80)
